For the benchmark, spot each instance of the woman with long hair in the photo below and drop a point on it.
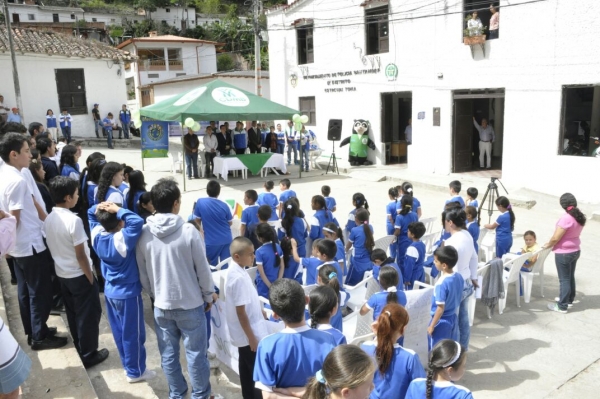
(68, 162)
(137, 186)
(108, 185)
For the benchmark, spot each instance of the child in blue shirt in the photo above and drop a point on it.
(269, 260)
(504, 225)
(396, 366)
(359, 202)
(379, 258)
(454, 188)
(407, 189)
(329, 201)
(65, 120)
(328, 275)
(403, 219)
(286, 194)
(362, 242)
(447, 363)
(321, 217)
(215, 218)
(68, 162)
(390, 216)
(115, 232)
(322, 305)
(473, 225)
(310, 265)
(107, 190)
(333, 232)
(472, 194)
(250, 214)
(268, 198)
(388, 280)
(291, 357)
(446, 297)
(415, 256)
(293, 226)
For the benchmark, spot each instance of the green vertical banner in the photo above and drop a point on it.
(155, 139)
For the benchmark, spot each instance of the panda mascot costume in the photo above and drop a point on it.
(359, 143)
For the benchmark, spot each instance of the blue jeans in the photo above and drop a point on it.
(191, 161)
(464, 329)
(171, 326)
(96, 127)
(66, 132)
(126, 129)
(565, 266)
(109, 137)
(304, 159)
(292, 147)
(280, 148)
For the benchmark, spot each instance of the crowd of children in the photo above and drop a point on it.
(105, 232)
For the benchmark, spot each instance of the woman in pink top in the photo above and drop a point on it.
(566, 248)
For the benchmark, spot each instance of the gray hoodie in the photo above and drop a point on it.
(171, 257)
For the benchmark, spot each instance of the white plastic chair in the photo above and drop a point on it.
(359, 291)
(235, 227)
(488, 244)
(481, 271)
(252, 273)
(512, 276)
(429, 223)
(201, 167)
(429, 239)
(482, 233)
(314, 153)
(363, 331)
(221, 264)
(176, 161)
(384, 242)
(538, 269)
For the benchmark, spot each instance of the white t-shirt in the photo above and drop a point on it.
(33, 188)
(239, 291)
(467, 258)
(15, 195)
(64, 231)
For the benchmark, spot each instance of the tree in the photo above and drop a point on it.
(225, 62)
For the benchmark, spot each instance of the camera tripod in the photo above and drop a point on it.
(332, 161)
(492, 191)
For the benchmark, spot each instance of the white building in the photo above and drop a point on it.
(33, 13)
(164, 57)
(58, 72)
(208, 19)
(177, 17)
(388, 61)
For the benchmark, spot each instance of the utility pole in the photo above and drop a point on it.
(257, 72)
(13, 56)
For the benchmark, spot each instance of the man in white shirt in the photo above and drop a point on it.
(408, 132)
(32, 259)
(210, 151)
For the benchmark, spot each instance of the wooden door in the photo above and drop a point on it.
(462, 145)
(147, 97)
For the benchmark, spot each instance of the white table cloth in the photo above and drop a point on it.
(224, 165)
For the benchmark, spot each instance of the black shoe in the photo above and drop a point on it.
(111, 148)
(51, 333)
(49, 343)
(13, 281)
(98, 358)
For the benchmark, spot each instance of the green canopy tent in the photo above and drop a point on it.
(216, 100)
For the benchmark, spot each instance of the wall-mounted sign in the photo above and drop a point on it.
(391, 72)
(421, 115)
(293, 79)
(436, 117)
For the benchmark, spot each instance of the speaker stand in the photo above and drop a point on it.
(332, 161)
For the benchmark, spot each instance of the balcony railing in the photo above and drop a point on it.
(175, 65)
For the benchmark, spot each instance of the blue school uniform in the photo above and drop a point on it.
(413, 263)
(51, 121)
(441, 390)
(474, 203)
(340, 255)
(378, 301)
(310, 265)
(286, 195)
(122, 287)
(112, 195)
(404, 367)
(299, 233)
(504, 238)
(340, 338)
(456, 198)
(337, 320)
(390, 262)
(281, 138)
(136, 200)
(473, 229)
(215, 215)
(291, 357)
(250, 215)
(402, 241)
(360, 260)
(330, 202)
(69, 171)
(351, 223)
(90, 192)
(265, 256)
(320, 219)
(391, 212)
(271, 200)
(416, 204)
(448, 292)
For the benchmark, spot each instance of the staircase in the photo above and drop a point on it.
(59, 373)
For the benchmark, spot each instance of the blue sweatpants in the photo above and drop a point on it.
(216, 254)
(446, 328)
(503, 245)
(126, 319)
(357, 269)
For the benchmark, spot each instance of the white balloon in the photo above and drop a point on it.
(189, 122)
(196, 127)
(137, 124)
(135, 115)
(296, 118)
(304, 119)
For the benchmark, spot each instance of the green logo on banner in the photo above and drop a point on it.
(391, 72)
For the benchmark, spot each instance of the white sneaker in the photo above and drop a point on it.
(148, 375)
(557, 299)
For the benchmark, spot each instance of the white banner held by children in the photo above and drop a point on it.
(418, 305)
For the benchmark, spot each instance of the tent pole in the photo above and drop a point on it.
(183, 160)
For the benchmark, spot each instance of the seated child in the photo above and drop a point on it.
(333, 232)
(379, 258)
(250, 214)
(322, 305)
(454, 188)
(531, 246)
(472, 193)
(396, 366)
(269, 260)
(473, 225)
(415, 256)
(329, 201)
(447, 363)
(268, 198)
(328, 275)
(446, 298)
(291, 357)
(388, 279)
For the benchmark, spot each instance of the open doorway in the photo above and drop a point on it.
(479, 104)
(396, 112)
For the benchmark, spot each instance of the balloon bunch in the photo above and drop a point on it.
(192, 124)
(136, 118)
(299, 120)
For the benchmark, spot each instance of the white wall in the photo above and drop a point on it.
(542, 47)
(165, 91)
(39, 93)
(45, 14)
(175, 15)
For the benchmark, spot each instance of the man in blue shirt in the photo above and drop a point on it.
(109, 125)
(14, 116)
(125, 118)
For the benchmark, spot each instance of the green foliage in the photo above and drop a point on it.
(225, 62)
(116, 31)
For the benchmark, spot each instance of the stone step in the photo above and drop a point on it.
(56, 373)
(94, 142)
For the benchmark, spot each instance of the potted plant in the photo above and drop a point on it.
(475, 31)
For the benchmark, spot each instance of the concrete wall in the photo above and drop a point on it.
(39, 93)
(542, 47)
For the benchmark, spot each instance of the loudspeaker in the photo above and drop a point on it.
(334, 132)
